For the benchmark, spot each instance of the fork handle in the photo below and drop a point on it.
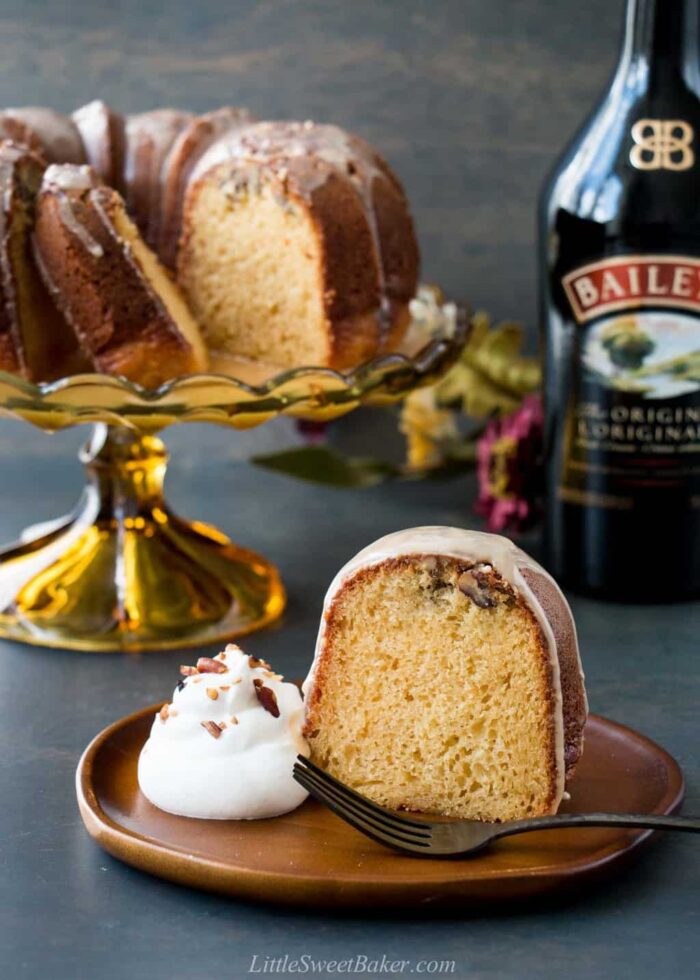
(640, 820)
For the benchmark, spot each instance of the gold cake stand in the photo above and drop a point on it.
(122, 572)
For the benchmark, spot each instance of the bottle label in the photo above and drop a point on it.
(633, 282)
(633, 422)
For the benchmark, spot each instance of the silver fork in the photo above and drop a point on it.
(459, 837)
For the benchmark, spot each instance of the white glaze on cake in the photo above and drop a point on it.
(66, 179)
(69, 178)
(472, 546)
(239, 769)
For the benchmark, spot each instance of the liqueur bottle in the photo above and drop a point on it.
(620, 312)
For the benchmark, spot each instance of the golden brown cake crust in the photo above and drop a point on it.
(11, 348)
(441, 569)
(118, 318)
(35, 341)
(149, 137)
(574, 703)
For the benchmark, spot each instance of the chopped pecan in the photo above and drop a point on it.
(267, 698)
(234, 720)
(164, 712)
(187, 671)
(211, 727)
(254, 662)
(475, 585)
(207, 665)
(212, 693)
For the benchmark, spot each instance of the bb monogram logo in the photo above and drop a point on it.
(662, 144)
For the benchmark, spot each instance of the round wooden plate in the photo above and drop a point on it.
(310, 857)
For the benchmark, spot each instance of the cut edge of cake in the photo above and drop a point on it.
(432, 698)
(125, 310)
(35, 340)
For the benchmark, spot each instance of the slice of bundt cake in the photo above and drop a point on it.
(297, 246)
(35, 340)
(192, 142)
(149, 137)
(447, 678)
(127, 314)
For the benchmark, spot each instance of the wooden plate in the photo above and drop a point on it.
(310, 857)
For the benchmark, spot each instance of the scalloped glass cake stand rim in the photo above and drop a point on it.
(122, 572)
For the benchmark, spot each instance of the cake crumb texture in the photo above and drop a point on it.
(435, 696)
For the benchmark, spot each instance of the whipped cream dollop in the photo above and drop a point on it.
(225, 746)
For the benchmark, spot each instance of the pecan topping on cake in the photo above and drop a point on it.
(480, 587)
(207, 665)
(211, 727)
(267, 698)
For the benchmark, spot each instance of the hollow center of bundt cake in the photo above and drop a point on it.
(435, 693)
(164, 288)
(250, 266)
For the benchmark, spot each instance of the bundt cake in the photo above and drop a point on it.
(35, 340)
(297, 246)
(447, 678)
(292, 242)
(128, 315)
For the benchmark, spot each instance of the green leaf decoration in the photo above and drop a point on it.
(322, 464)
(326, 466)
(491, 376)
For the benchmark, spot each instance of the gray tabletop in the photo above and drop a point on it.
(68, 910)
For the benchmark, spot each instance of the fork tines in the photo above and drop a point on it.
(382, 825)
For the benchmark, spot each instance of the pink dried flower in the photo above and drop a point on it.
(508, 468)
(313, 432)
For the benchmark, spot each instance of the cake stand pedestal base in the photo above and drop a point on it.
(123, 573)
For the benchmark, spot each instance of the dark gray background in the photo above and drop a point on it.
(471, 100)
